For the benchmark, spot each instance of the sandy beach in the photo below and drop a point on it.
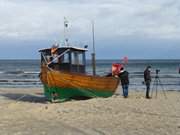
(25, 111)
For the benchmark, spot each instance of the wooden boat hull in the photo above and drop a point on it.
(64, 86)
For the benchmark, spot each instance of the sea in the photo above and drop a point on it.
(25, 73)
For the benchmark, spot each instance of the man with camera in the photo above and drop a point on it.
(147, 80)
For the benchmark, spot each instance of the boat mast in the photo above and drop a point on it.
(93, 54)
(65, 32)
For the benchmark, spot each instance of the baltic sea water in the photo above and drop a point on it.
(24, 73)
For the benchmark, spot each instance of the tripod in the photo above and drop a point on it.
(156, 83)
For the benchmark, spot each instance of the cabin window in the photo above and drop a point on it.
(65, 58)
(77, 58)
(48, 58)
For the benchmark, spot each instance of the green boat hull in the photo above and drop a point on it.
(64, 94)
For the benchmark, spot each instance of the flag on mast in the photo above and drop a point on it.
(65, 22)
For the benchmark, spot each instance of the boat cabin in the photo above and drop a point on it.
(71, 59)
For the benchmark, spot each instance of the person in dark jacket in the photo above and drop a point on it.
(147, 80)
(124, 77)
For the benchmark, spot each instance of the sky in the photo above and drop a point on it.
(138, 29)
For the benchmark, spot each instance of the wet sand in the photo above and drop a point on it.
(26, 112)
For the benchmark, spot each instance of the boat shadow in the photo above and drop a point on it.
(21, 97)
(37, 98)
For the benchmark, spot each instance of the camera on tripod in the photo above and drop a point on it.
(157, 82)
(157, 71)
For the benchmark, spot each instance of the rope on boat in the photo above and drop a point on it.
(60, 55)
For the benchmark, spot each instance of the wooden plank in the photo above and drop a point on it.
(72, 80)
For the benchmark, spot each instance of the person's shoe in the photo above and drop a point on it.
(148, 97)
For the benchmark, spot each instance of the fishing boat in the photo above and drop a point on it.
(63, 74)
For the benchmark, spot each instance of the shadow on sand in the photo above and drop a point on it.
(35, 98)
(25, 97)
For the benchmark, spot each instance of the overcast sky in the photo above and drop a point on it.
(138, 29)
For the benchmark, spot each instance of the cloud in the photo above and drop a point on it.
(42, 19)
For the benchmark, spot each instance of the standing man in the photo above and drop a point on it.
(147, 80)
(124, 77)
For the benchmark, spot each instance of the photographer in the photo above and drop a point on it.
(147, 80)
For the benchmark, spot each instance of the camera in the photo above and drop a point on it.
(157, 71)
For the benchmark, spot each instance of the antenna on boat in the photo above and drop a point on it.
(93, 54)
(65, 32)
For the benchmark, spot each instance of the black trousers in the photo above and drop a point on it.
(147, 89)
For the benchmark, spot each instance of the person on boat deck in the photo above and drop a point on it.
(124, 77)
(54, 54)
(54, 60)
(147, 80)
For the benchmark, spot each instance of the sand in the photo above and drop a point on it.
(26, 112)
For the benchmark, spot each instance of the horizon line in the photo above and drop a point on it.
(99, 59)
